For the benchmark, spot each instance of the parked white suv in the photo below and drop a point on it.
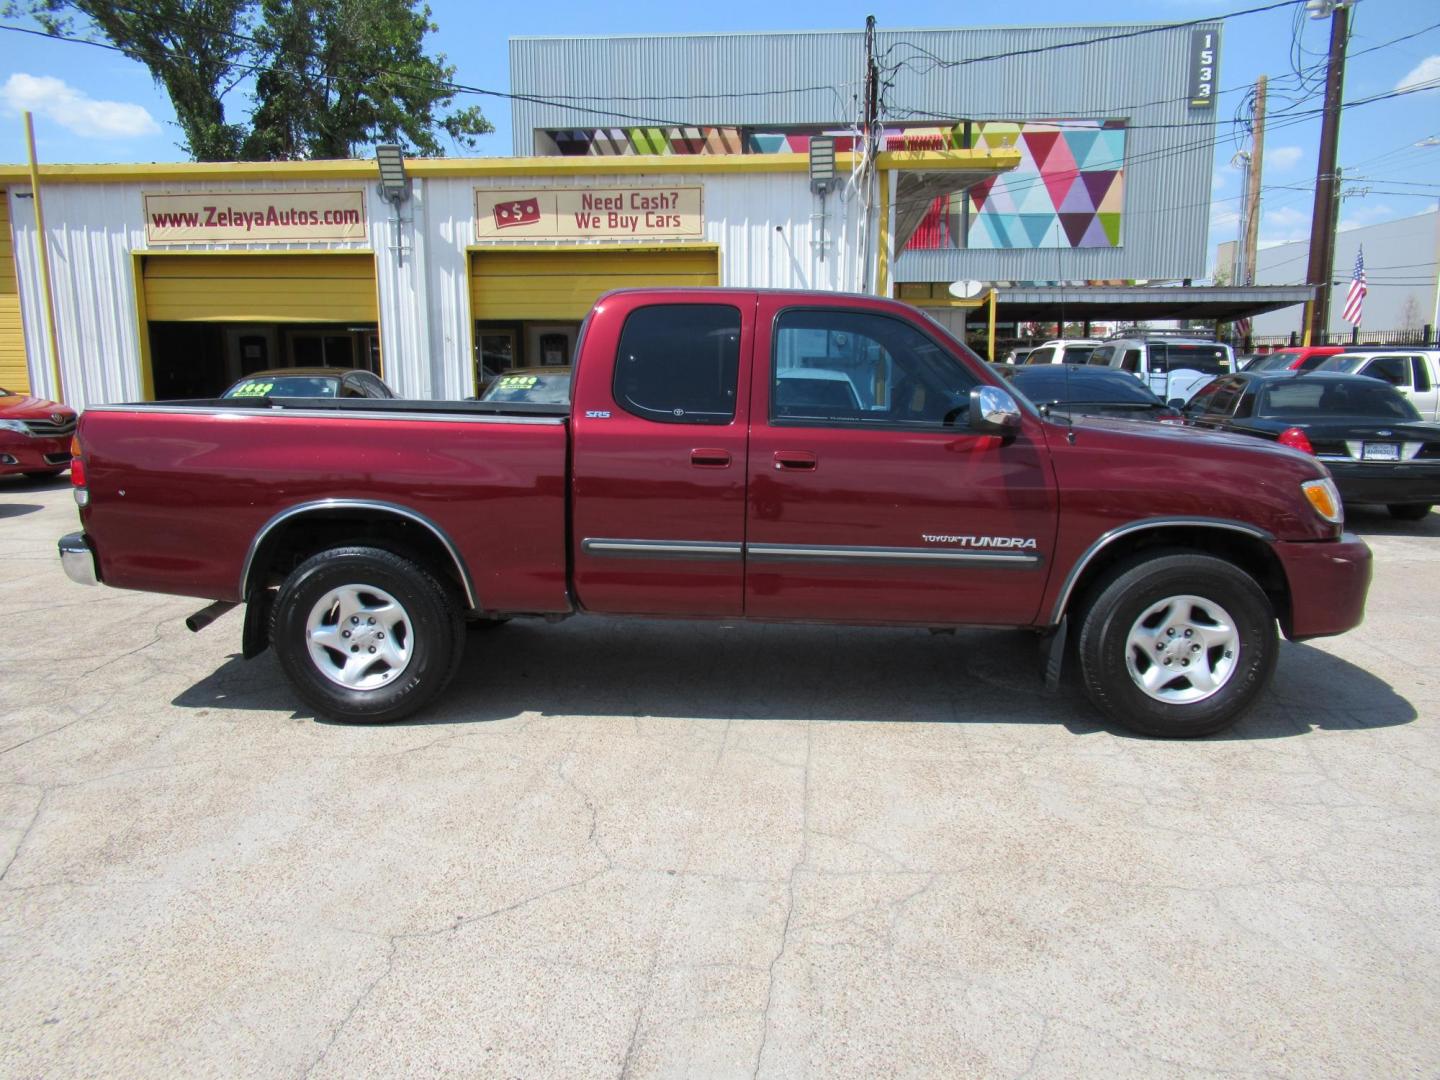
(1068, 351)
(1174, 367)
(1414, 371)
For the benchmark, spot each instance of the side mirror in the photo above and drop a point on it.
(993, 411)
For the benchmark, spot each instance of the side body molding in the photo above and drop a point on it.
(1106, 538)
(364, 505)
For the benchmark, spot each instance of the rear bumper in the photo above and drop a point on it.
(78, 558)
(1328, 582)
(1402, 483)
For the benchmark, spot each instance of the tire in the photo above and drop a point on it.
(45, 474)
(334, 611)
(1409, 511)
(1223, 624)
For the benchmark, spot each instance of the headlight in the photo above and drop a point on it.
(14, 425)
(1324, 496)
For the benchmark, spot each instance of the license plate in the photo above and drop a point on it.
(1380, 451)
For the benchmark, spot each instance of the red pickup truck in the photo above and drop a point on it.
(727, 454)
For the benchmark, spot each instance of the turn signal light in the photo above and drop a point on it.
(77, 473)
(1296, 439)
(1324, 496)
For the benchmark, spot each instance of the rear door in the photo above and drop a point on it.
(892, 510)
(1425, 393)
(658, 454)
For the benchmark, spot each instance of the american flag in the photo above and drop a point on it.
(1355, 298)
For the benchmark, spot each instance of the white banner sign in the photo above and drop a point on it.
(254, 216)
(587, 213)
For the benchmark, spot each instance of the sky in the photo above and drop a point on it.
(95, 105)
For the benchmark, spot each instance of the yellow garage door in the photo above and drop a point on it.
(260, 288)
(13, 375)
(563, 284)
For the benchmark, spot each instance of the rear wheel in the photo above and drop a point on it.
(365, 635)
(1409, 511)
(1177, 645)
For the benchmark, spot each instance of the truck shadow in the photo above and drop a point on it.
(608, 668)
(9, 510)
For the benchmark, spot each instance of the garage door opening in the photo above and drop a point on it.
(528, 304)
(213, 319)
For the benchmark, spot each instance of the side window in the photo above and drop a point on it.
(1131, 362)
(832, 366)
(1203, 403)
(351, 388)
(1394, 370)
(1159, 361)
(679, 363)
(1421, 372)
(1041, 356)
(1227, 394)
(1101, 356)
(1247, 402)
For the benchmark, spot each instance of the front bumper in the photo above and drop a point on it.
(26, 453)
(78, 559)
(1328, 582)
(1404, 482)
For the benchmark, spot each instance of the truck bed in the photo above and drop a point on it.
(181, 492)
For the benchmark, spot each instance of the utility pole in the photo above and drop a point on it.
(1322, 221)
(1252, 200)
(867, 167)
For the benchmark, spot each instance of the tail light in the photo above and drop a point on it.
(77, 473)
(1296, 439)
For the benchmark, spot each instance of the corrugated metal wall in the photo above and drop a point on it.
(1142, 79)
(764, 226)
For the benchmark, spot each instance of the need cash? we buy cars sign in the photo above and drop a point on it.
(254, 216)
(587, 213)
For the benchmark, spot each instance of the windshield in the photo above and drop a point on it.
(1314, 400)
(1210, 359)
(1276, 361)
(285, 386)
(551, 388)
(1077, 354)
(1346, 362)
(1051, 386)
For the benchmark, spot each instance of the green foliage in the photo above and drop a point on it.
(324, 78)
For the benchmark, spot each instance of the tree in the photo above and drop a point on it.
(325, 77)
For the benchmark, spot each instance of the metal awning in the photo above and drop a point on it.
(1110, 303)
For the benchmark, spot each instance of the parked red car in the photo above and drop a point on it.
(706, 467)
(34, 435)
(1295, 358)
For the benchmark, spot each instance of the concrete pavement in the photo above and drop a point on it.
(644, 849)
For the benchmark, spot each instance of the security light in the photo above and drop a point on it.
(394, 186)
(822, 164)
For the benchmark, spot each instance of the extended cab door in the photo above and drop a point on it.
(869, 498)
(658, 454)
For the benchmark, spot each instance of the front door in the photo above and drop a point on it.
(659, 456)
(869, 499)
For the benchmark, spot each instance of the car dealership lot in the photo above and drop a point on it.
(693, 849)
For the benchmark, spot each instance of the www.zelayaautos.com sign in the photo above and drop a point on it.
(254, 216)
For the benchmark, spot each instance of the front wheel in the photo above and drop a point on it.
(365, 635)
(1409, 511)
(1177, 645)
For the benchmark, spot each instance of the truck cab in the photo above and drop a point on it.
(1174, 366)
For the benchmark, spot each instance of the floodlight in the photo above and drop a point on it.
(822, 164)
(394, 184)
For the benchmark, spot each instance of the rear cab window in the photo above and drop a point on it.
(679, 363)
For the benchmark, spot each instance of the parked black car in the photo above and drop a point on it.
(1090, 391)
(1372, 439)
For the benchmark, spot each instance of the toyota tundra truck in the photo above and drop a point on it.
(726, 454)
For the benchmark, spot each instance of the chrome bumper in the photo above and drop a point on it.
(78, 559)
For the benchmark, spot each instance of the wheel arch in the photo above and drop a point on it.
(1246, 546)
(299, 531)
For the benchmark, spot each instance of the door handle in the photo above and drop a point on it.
(795, 460)
(710, 459)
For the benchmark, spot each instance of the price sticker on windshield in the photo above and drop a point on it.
(518, 382)
(253, 389)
